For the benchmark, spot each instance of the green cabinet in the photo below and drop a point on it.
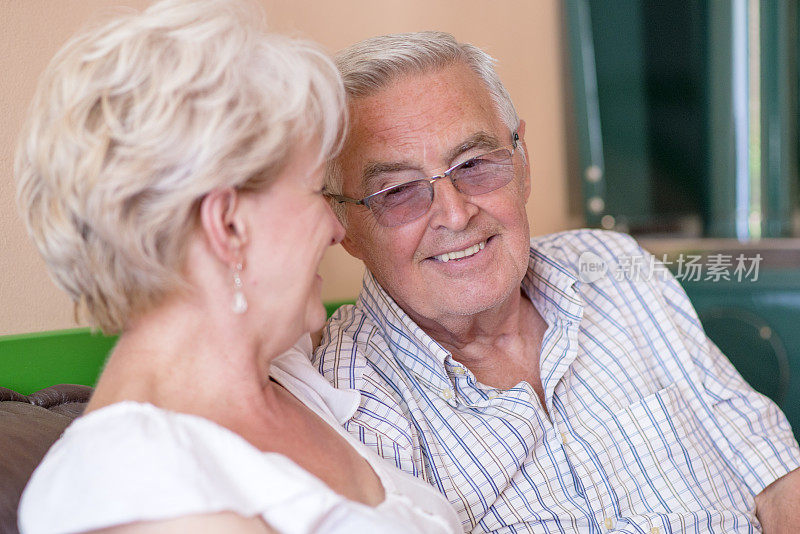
(686, 128)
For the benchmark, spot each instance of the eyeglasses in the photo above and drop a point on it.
(403, 203)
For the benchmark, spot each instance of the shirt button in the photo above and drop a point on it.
(564, 441)
(609, 523)
(459, 370)
(447, 394)
(654, 530)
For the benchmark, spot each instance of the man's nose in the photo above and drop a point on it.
(450, 209)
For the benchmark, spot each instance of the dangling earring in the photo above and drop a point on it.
(239, 305)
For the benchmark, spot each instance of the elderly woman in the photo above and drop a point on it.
(171, 175)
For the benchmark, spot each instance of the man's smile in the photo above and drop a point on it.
(460, 254)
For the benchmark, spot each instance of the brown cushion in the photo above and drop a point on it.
(30, 424)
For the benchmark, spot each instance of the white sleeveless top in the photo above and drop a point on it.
(136, 462)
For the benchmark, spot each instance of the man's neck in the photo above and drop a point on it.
(501, 346)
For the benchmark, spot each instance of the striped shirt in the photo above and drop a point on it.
(650, 428)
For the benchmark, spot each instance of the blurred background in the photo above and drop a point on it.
(527, 38)
(674, 121)
(684, 116)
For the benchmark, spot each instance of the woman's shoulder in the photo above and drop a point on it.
(136, 462)
(132, 462)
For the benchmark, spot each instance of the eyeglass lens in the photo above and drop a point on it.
(476, 176)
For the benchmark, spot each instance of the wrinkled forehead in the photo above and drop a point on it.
(418, 120)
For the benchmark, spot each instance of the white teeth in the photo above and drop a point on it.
(447, 256)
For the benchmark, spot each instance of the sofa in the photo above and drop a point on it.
(30, 425)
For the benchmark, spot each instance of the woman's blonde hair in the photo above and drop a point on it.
(135, 120)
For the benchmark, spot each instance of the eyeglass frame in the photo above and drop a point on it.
(446, 174)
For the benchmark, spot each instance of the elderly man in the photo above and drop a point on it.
(535, 400)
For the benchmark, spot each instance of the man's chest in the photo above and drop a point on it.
(620, 438)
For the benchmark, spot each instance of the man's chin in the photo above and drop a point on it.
(464, 303)
(316, 315)
(473, 307)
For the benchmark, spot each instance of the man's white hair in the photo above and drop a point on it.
(135, 120)
(372, 64)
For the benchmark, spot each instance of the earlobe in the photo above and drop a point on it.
(222, 224)
(351, 248)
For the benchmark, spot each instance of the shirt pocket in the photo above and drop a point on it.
(664, 457)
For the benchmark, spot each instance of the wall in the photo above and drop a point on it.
(525, 36)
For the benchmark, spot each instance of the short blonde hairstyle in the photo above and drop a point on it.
(374, 63)
(135, 120)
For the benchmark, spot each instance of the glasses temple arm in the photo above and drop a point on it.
(342, 198)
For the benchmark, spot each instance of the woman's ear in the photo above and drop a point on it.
(222, 224)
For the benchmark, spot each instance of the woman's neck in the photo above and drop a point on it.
(185, 358)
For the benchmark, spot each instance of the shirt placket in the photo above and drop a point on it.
(590, 481)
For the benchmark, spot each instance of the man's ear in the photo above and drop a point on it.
(524, 147)
(352, 248)
(222, 224)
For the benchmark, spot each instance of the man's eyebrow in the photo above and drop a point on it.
(374, 169)
(483, 140)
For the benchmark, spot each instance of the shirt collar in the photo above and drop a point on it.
(552, 286)
(294, 371)
(415, 350)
